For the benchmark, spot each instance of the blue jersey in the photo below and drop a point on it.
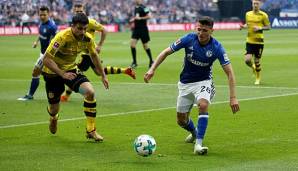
(46, 31)
(199, 58)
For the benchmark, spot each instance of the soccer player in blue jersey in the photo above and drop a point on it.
(47, 30)
(196, 85)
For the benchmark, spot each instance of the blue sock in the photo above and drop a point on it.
(34, 85)
(202, 125)
(190, 127)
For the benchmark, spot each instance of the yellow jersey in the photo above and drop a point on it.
(64, 48)
(259, 19)
(94, 26)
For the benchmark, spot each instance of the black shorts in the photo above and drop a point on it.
(254, 49)
(85, 63)
(142, 34)
(55, 85)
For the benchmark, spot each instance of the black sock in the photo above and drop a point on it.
(148, 51)
(134, 55)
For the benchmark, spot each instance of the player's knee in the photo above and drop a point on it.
(203, 106)
(36, 72)
(182, 119)
(248, 62)
(89, 94)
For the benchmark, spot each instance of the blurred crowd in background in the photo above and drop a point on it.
(15, 12)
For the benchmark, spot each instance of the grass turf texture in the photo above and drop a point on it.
(262, 136)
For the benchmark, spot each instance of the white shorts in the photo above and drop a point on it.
(191, 93)
(39, 62)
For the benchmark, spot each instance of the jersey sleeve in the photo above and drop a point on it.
(92, 47)
(180, 43)
(56, 43)
(54, 30)
(266, 21)
(223, 56)
(146, 10)
(95, 25)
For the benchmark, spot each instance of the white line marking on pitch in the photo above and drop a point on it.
(139, 111)
(169, 84)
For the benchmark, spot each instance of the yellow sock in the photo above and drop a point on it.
(90, 123)
(114, 70)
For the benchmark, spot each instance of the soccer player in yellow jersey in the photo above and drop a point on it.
(86, 61)
(256, 22)
(61, 69)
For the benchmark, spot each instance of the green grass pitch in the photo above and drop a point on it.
(262, 136)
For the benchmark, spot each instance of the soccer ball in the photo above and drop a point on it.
(144, 145)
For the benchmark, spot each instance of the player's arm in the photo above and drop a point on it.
(160, 58)
(103, 35)
(51, 64)
(35, 43)
(231, 79)
(98, 67)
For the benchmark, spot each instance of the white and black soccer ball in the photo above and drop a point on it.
(144, 145)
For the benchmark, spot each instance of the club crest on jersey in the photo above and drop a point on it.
(56, 45)
(177, 42)
(209, 53)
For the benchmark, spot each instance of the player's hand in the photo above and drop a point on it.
(132, 20)
(149, 74)
(241, 26)
(105, 81)
(257, 28)
(98, 49)
(34, 44)
(137, 18)
(234, 105)
(69, 75)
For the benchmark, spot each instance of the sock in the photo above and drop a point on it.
(258, 67)
(190, 127)
(148, 51)
(202, 126)
(134, 55)
(34, 85)
(90, 112)
(113, 70)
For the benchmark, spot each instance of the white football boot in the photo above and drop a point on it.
(199, 150)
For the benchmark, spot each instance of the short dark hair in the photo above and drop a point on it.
(80, 18)
(78, 5)
(207, 21)
(44, 8)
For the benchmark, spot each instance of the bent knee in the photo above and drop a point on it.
(203, 106)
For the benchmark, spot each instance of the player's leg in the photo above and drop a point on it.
(145, 38)
(54, 88)
(257, 61)
(184, 105)
(133, 43)
(117, 70)
(248, 57)
(82, 85)
(204, 92)
(83, 65)
(35, 79)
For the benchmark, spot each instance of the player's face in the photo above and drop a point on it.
(79, 30)
(77, 10)
(204, 33)
(256, 5)
(44, 16)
